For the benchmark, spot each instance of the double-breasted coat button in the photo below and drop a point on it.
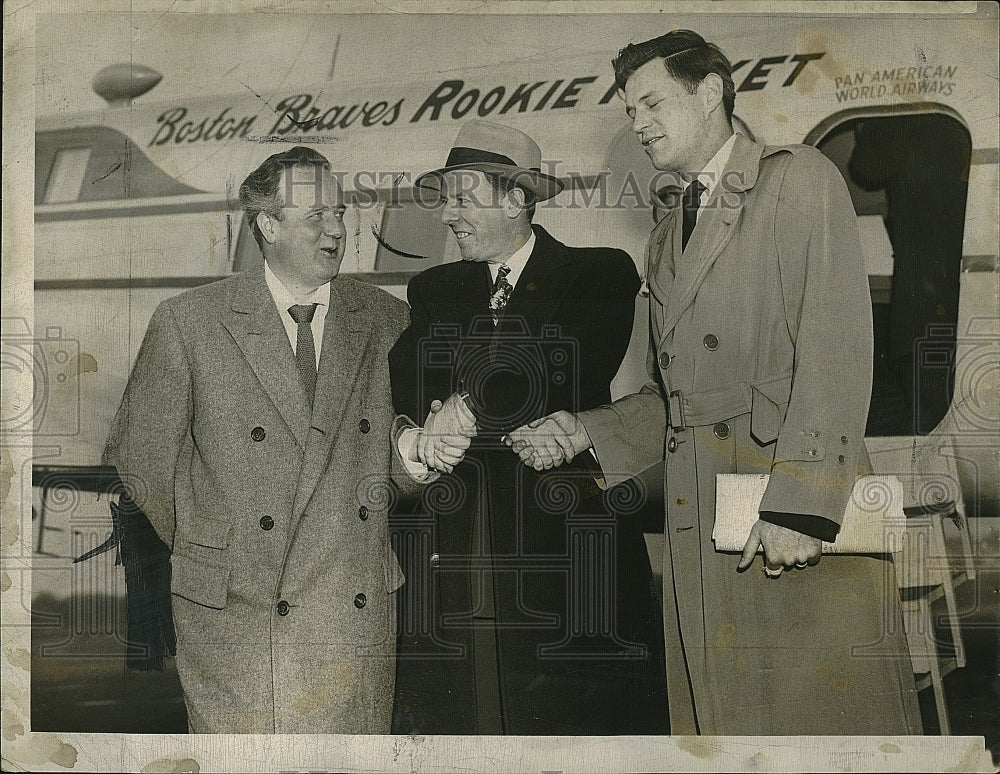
(266, 523)
(365, 425)
(664, 359)
(721, 431)
(711, 342)
(672, 445)
(360, 600)
(282, 608)
(257, 434)
(435, 560)
(843, 439)
(363, 513)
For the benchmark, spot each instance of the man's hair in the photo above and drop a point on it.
(260, 191)
(504, 185)
(687, 57)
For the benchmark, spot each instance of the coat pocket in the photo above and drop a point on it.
(199, 582)
(769, 402)
(210, 533)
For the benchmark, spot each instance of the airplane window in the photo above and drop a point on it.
(415, 229)
(908, 178)
(68, 170)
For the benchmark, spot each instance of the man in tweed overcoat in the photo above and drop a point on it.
(270, 483)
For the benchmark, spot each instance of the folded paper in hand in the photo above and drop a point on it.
(873, 522)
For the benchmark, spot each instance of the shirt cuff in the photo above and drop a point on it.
(598, 473)
(405, 443)
(806, 523)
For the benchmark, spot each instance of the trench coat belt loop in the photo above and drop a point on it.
(706, 408)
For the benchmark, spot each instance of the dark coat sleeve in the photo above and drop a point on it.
(606, 307)
(411, 383)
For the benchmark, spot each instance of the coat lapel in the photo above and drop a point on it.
(546, 278)
(255, 326)
(659, 271)
(716, 226)
(345, 338)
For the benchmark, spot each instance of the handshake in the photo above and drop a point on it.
(541, 444)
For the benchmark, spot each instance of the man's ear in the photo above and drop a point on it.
(515, 202)
(266, 225)
(710, 91)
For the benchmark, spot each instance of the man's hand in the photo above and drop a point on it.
(447, 434)
(549, 441)
(783, 548)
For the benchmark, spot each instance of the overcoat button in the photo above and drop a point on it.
(435, 560)
(282, 608)
(711, 342)
(664, 359)
(257, 434)
(360, 600)
(672, 445)
(721, 431)
(363, 513)
(266, 522)
(365, 425)
(843, 439)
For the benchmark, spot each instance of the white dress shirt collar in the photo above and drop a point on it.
(712, 173)
(283, 299)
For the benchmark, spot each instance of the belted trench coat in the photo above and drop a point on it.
(761, 347)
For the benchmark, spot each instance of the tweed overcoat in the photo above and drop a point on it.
(576, 626)
(283, 579)
(761, 329)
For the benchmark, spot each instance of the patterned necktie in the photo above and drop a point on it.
(501, 292)
(692, 201)
(305, 348)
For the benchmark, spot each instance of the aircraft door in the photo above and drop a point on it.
(908, 178)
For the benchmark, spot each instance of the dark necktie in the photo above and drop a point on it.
(692, 201)
(501, 292)
(305, 349)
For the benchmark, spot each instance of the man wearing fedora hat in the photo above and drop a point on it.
(527, 607)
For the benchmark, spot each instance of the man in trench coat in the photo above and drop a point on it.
(528, 606)
(269, 477)
(760, 360)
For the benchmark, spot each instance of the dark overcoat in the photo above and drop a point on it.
(567, 594)
(283, 580)
(761, 345)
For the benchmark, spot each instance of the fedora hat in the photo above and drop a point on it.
(483, 146)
